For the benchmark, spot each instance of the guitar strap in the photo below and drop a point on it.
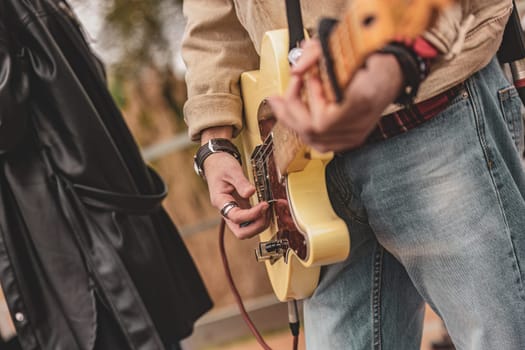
(295, 23)
(296, 35)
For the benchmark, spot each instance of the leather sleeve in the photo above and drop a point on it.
(14, 89)
(216, 49)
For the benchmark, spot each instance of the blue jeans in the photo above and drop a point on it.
(435, 215)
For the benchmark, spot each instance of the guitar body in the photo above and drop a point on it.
(315, 235)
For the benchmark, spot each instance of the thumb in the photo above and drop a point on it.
(243, 187)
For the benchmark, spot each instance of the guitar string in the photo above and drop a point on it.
(264, 152)
(261, 158)
(264, 157)
(264, 146)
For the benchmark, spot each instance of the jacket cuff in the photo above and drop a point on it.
(206, 111)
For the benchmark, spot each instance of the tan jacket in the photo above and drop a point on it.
(223, 37)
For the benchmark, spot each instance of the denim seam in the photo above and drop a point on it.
(480, 128)
(505, 97)
(376, 298)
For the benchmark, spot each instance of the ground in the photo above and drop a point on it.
(432, 332)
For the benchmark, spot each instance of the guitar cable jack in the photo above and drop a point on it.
(293, 320)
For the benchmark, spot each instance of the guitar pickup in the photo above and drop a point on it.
(271, 250)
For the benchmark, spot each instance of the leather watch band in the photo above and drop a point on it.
(214, 146)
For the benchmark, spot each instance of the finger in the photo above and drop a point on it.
(309, 58)
(295, 86)
(279, 109)
(248, 231)
(245, 223)
(292, 113)
(240, 214)
(241, 184)
(310, 44)
(226, 179)
(241, 210)
(316, 99)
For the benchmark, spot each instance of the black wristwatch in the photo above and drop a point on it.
(210, 147)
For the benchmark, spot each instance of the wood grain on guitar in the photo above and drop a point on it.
(305, 233)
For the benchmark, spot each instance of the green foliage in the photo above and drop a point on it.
(116, 87)
(139, 38)
(138, 29)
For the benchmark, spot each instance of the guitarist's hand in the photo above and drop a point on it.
(328, 126)
(226, 182)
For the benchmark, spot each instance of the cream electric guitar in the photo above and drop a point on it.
(305, 233)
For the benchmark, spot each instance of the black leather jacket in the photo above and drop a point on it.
(80, 213)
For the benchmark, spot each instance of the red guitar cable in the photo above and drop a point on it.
(238, 298)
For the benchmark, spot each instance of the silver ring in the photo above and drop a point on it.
(227, 207)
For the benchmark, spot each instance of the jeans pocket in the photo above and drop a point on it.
(513, 112)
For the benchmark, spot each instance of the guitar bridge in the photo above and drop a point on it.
(271, 250)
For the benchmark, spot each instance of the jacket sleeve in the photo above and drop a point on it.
(216, 49)
(13, 92)
(458, 28)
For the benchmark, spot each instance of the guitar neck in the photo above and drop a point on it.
(365, 27)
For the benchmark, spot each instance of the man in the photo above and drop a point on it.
(434, 206)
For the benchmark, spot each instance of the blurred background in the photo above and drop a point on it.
(139, 41)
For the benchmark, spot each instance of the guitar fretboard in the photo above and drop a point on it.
(365, 27)
(369, 25)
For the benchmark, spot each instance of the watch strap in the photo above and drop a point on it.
(214, 146)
